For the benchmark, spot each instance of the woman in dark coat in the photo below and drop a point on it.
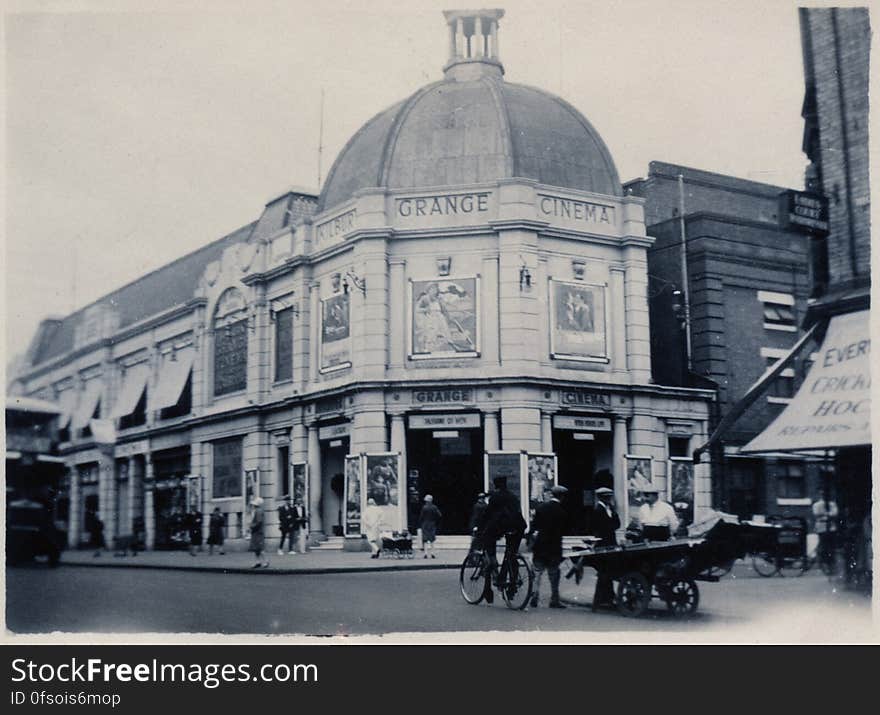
(258, 532)
(428, 521)
(215, 530)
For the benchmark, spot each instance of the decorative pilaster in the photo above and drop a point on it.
(316, 522)
(491, 437)
(546, 432)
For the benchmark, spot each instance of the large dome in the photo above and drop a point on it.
(473, 127)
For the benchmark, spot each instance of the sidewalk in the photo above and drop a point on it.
(314, 562)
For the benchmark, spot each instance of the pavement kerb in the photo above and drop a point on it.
(265, 571)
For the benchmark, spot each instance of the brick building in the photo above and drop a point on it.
(747, 294)
(465, 298)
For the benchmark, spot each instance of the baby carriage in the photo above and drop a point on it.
(397, 544)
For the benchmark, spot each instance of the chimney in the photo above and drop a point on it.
(473, 44)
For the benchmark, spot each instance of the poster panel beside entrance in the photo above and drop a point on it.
(352, 495)
(680, 489)
(251, 486)
(194, 493)
(639, 475)
(444, 318)
(335, 333)
(541, 476)
(577, 322)
(299, 483)
(382, 479)
(509, 465)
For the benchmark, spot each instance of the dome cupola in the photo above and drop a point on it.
(473, 127)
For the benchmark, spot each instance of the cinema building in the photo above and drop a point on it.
(470, 279)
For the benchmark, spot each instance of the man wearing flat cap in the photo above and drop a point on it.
(546, 535)
(605, 524)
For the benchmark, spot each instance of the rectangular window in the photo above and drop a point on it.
(230, 358)
(783, 386)
(790, 480)
(284, 345)
(678, 446)
(778, 311)
(283, 470)
(227, 468)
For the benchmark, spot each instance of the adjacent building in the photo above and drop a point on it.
(739, 311)
(467, 294)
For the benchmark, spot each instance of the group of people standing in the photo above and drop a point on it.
(293, 521)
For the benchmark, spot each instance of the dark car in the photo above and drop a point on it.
(30, 532)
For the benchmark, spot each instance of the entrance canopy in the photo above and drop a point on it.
(832, 408)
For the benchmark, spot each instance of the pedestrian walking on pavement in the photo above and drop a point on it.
(605, 524)
(95, 528)
(546, 537)
(301, 524)
(429, 519)
(194, 525)
(216, 525)
(287, 524)
(373, 527)
(258, 532)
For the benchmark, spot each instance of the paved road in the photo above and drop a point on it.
(110, 600)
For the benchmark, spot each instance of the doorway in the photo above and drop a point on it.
(332, 484)
(449, 466)
(576, 463)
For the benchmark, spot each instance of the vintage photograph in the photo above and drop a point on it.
(525, 323)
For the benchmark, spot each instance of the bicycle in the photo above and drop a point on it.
(514, 579)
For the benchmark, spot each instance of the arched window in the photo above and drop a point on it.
(230, 343)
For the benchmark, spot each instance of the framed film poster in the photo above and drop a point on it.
(444, 318)
(577, 322)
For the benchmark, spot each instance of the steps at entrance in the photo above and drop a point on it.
(333, 543)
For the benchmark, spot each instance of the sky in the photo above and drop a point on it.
(137, 132)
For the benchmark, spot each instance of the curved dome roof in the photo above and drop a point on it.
(469, 131)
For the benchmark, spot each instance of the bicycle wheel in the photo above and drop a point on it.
(719, 570)
(472, 578)
(764, 564)
(518, 583)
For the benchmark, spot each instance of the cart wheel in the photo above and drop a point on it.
(765, 564)
(793, 567)
(518, 590)
(682, 597)
(633, 594)
(472, 578)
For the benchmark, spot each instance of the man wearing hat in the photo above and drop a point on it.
(287, 524)
(604, 524)
(476, 520)
(502, 517)
(546, 533)
(656, 517)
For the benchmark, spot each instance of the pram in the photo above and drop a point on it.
(397, 544)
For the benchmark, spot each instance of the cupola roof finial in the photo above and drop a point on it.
(473, 44)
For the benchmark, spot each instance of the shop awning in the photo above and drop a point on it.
(103, 431)
(760, 385)
(832, 408)
(133, 387)
(88, 401)
(172, 379)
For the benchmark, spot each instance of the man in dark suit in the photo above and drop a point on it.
(287, 524)
(546, 534)
(605, 524)
(501, 517)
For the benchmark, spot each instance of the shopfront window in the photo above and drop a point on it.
(230, 343)
(227, 472)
